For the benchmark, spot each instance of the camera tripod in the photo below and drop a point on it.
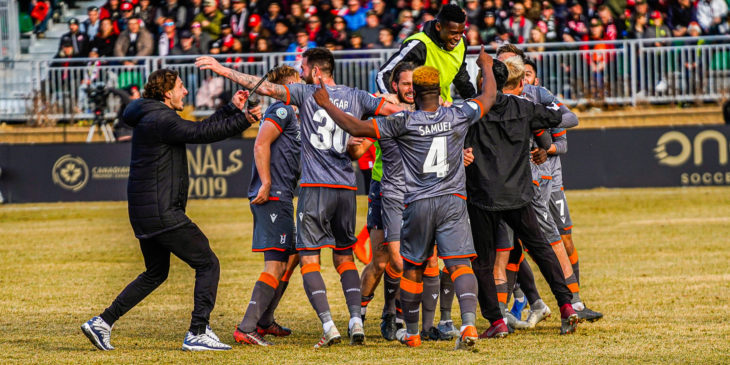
(103, 125)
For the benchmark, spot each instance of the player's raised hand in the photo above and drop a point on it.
(484, 60)
(321, 96)
(239, 99)
(210, 63)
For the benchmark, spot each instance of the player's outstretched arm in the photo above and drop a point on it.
(275, 91)
(349, 123)
(489, 85)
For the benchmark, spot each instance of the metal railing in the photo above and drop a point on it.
(9, 30)
(625, 72)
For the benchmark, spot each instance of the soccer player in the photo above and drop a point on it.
(430, 141)
(271, 191)
(442, 45)
(326, 207)
(157, 193)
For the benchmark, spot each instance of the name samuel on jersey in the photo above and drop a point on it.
(434, 128)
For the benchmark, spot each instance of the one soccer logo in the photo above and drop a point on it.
(71, 173)
(282, 238)
(273, 217)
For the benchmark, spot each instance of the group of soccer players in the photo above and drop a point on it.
(471, 183)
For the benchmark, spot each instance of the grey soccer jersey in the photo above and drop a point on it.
(284, 154)
(325, 161)
(431, 145)
(393, 183)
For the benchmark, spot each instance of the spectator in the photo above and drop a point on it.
(576, 28)
(296, 16)
(617, 7)
(301, 44)
(549, 25)
(256, 30)
(238, 18)
(387, 39)
(355, 41)
(105, 39)
(147, 13)
(168, 38)
(518, 24)
(173, 10)
(90, 26)
(186, 47)
(79, 42)
(681, 14)
(272, 16)
(710, 14)
(641, 9)
(473, 12)
(355, 16)
(225, 7)
(194, 8)
(371, 31)
(385, 14)
(111, 10)
(407, 25)
(316, 32)
(724, 27)
(536, 36)
(262, 45)
(127, 11)
(40, 14)
(472, 36)
(338, 8)
(211, 19)
(657, 28)
(282, 37)
(639, 28)
(134, 42)
(201, 40)
(533, 10)
(612, 29)
(229, 44)
(338, 32)
(561, 10)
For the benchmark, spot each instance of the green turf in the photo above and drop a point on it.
(655, 261)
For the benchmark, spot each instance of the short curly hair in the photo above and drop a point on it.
(510, 48)
(282, 74)
(160, 82)
(451, 13)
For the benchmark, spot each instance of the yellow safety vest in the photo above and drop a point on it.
(447, 62)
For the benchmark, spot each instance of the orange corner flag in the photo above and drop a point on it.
(362, 248)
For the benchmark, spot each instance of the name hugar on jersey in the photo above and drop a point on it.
(431, 145)
(325, 161)
(284, 154)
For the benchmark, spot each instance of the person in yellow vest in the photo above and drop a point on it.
(441, 44)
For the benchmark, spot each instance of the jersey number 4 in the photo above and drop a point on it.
(436, 161)
(328, 134)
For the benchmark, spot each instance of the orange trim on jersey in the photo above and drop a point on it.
(540, 133)
(513, 267)
(462, 271)
(344, 248)
(268, 249)
(545, 177)
(377, 131)
(574, 257)
(504, 249)
(522, 258)
(574, 288)
(556, 242)
(288, 95)
(445, 270)
(306, 269)
(560, 133)
(535, 182)
(346, 266)
(268, 279)
(481, 108)
(502, 297)
(560, 104)
(390, 272)
(413, 262)
(275, 124)
(460, 196)
(458, 256)
(562, 188)
(380, 105)
(431, 271)
(274, 198)
(333, 186)
(287, 275)
(567, 228)
(411, 286)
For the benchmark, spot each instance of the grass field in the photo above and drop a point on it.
(656, 262)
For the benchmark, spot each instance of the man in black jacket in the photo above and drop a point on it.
(157, 194)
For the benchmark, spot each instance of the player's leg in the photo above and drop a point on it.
(373, 271)
(392, 216)
(267, 324)
(157, 265)
(429, 299)
(264, 291)
(446, 327)
(343, 229)
(511, 269)
(504, 248)
(538, 309)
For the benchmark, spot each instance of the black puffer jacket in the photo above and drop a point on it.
(157, 190)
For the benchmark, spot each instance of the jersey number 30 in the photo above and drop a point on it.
(436, 159)
(328, 134)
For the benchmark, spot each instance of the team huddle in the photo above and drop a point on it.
(473, 183)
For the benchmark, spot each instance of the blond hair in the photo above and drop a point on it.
(282, 74)
(516, 72)
(426, 77)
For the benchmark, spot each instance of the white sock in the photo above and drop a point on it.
(363, 311)
(400, 321)
(354, 320)
(579, 306)
(462, 328)
(444, 322)
(327, 325)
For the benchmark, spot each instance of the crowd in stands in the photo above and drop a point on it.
(187, 27)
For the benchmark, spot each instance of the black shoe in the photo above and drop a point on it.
(588, 315)
(432, 334)
(388, 328)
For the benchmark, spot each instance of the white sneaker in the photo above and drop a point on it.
(516, 323)
(356, 333)
(538, 315)
(99, 333)
(329, 338)
(203, 342)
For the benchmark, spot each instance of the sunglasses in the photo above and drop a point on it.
(168, 24)
(196, 26)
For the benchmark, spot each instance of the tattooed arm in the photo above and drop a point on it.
(275, 91)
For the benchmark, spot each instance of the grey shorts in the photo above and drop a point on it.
(541, 203)
(375, 205)
(392, 218)
(560, 212)
(273, 226)
(442, 219)
(326, 218)
(505, 237)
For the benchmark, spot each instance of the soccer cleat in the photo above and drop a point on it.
(538, 315)
(588, 315)
(517, 307)
(467, 339)
(410, 341)
(273, 329)
(329, 338)
(250, 338)
(356, 334)
(568, 319)
(202, 342)
(209, 332)
(431, 334)
(99, 333)
(447, 330)
(498, 329)
(388, 327)
(516, 323)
